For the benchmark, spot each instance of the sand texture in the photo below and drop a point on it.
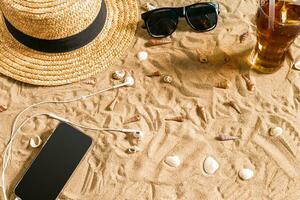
(109, 172)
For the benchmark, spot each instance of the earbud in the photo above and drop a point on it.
(135, 133)
(129, 81)
(138, 134)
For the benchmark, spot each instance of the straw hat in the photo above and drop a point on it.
(55, 42)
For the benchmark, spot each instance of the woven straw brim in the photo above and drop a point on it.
(24, 64)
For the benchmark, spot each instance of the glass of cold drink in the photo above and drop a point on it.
(278, 25)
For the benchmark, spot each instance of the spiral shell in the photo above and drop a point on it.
(201, 56)
(119, 74)
(90, 82)
(148, 6)
(223, 137)
(112, 105)
(168, 79)
(235, 106)
(244, 36)
(249, 83)
(156, 73)
(224, 84)
(156, 42)
(3, 108)
(202, 113)
(180, 118)
(132, 119)
(133, 150)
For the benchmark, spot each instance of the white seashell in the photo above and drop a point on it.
(133, 149)
(142, 55)
(210, 165)
(129, 81)
(173, 161)
(246, 174)
(18, 198)
(276, 131)
(119, 74)
(35, 142)
(296, 65)
(148, 6)
(168, 79)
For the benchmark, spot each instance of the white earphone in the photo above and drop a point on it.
(128, 82)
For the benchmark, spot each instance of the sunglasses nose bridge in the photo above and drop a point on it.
(181, 12)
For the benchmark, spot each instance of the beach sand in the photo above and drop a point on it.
(107, 172)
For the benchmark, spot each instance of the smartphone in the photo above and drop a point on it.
(54, 165)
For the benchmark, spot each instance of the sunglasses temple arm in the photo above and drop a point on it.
(217, 6)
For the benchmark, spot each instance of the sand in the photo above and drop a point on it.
(108, 172)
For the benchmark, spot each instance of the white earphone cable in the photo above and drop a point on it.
(128, 81)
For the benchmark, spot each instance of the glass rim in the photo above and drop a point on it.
(276, 22)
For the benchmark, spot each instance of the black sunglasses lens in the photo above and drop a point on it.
(202, 16)
(162, 23)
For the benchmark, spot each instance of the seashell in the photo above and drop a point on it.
(133, 149)
(156, 73)
(201, 56)
(246, 174)
(90, 82)
(135, 118)
(156, 42)
(276, 131)
(226, 58)
(249, 83)
(173, 161)
(243, 37)
(3, 108)
(142, 55)
(296, 65)
(235, 106)
(210, 165)
(119, 74)
(17, 198)
(180, 118)
(112, 105)
(148, 6)
(202, 113)
(224, 84)
(35, 142)
(168, 79)
(223, 137)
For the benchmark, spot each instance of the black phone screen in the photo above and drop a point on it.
(54, 165)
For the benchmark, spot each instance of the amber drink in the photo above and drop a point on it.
(277, 28)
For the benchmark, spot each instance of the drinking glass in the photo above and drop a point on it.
(278, 25)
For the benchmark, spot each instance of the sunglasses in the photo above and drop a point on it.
(162, 22)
